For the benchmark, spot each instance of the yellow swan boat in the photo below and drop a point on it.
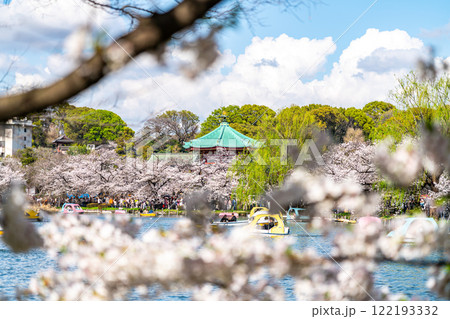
(149, 214)
(33, 215)
(257, 210)
(267, 224)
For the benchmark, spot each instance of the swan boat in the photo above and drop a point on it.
(265, 223)
(413, 227)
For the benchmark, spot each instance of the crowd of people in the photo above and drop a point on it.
(129, 202)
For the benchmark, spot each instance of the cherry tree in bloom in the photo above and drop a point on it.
(442, 188)
(59, 175)
(212, 175)
(352, 160)
(10, 171)
(154, 180)
(108, 173)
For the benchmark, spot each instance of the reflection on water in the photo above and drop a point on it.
(17, 269)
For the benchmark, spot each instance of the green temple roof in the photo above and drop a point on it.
(223, 136)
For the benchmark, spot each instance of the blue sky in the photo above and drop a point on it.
(318, 54)
(333, 18)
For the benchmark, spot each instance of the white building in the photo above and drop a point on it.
(15, 135)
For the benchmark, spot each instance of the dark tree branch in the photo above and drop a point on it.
(120, 9)
(151, 33)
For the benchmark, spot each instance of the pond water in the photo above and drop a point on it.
(17, 269)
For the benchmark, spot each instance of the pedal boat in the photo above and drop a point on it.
(229, 223)
(297, 214)
(412, 227)
(257, 210)
(69, 208)
(259, 224)
(148, 214)
(33, 215)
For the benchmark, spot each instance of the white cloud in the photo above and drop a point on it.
(272, 71)
(36, 31)
(26, 82)
(270, 65)
(45, 23)
(365, 71)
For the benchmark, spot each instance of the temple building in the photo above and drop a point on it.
(15, 134)
(222, 138)
(62, 144)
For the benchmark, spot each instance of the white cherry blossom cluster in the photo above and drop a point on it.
(430, 152)
(401, 166)
(111, 174)
(322, 194)
(10, 171)
(18, 234)
(97, 260)
(104, 260)
(352, 161)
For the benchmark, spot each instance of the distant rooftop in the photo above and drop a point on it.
(223, 137)
(63, 140)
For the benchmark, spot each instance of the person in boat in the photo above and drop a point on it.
(224, 219)
(233, 218)
(266, 223)
(271, 223)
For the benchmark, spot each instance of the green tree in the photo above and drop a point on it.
(176, 127)
(231, 113)
(39, 135)
(293, 122)
(357, 118)
(87, 125)
(124, 141)
(428, 100)
(245, 119)
(252, 116)
(26, 156)
(330, 120)
(259, 172)
(268, 166)
(78, 149)
(398, 124)
(377, 109)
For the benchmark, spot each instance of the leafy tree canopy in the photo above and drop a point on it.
(358, 119)
(376, 109)
(87, 125)
(172, 127)
(83, 124)
(429, 100)
(78, 149)
(293, 122)
(26, 156)
(329, 119)
(245, 119)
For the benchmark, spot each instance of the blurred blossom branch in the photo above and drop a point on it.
(150, 34)
(18, 233)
